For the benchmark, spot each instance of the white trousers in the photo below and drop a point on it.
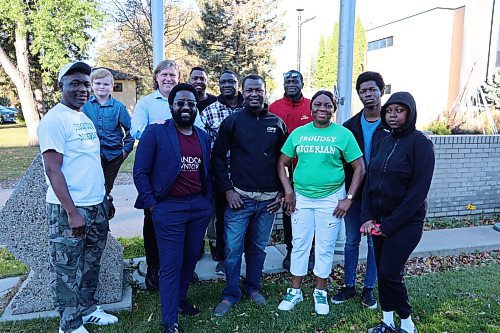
(313, 219)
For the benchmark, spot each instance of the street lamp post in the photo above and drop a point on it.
(299, 30)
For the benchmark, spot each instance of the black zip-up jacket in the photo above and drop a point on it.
(354, 125)
(400, 173)
(254, 143)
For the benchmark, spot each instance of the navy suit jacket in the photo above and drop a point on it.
(158, 162)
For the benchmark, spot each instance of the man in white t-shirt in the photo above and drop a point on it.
(78, 223)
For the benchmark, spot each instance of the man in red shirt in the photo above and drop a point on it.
(294, 110)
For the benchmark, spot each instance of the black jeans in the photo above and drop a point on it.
(220, 208)
(150, 244)
(110, 169)
(391, 254)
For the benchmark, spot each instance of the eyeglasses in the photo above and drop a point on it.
(291, 75)
(190, 104)
(223, 82)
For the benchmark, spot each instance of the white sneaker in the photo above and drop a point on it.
(292, 298)
(99, 317)
(320, 302)
(80, 329)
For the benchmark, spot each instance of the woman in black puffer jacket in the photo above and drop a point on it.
(394, 205)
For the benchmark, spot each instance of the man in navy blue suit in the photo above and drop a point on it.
(172, 175)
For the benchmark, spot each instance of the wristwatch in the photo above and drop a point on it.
(350, 196)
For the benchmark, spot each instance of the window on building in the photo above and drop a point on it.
(118, 87)
(380, 43)
(387, 89)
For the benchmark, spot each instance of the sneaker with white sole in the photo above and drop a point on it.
(80, 329)
(292, 298)
(99, 317)
(320, 302)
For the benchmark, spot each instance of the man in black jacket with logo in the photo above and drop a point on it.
(368, 129)
(253, 137)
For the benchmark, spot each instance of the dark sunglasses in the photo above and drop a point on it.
(190, 104)
(291, 75)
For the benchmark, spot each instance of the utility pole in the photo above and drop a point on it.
(158, 27)
(299, 37)
(345, 63)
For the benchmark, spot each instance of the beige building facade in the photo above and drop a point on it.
(434, 53)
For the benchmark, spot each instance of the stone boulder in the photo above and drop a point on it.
(24, 231)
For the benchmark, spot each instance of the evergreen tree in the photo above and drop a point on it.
(360, 48)
(237, 35)
(321, 63)
(327, 59)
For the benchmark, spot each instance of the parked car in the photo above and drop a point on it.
(7, 114)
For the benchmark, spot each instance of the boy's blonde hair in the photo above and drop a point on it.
(100, 73)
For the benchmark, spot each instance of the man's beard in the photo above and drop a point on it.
(183, 122)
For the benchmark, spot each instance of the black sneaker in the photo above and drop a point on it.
(152, 279)
(382, 328)
(343, 295)
(286, 261)
(188, 309)
(171, 328)
(367, 299)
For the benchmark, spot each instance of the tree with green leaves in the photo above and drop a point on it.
(36, 39)
(238, 35)
(328, 52)
(128, 44)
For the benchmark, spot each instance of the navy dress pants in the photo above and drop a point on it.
(180, 224)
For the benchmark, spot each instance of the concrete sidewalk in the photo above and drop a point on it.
(128, 223)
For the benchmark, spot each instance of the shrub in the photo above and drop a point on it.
(439, 128)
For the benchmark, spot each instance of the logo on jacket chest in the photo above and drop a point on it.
(271, 129)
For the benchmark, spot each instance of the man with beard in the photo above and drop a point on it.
(229, 100)
(198, 78)
(76, 211)
(253, 137)
(178, 196)
(294, 110)
(154, 108)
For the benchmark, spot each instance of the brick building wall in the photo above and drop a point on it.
(467, 172)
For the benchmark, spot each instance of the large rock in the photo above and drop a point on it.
(24, 231)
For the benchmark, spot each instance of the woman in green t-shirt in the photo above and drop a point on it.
(318, 201)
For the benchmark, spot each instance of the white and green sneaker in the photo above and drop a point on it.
(292, 298)
(320, 302)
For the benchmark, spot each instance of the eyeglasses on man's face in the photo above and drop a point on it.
(181, 104)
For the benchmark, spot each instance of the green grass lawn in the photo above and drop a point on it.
(16, 156)
(461, 300)
(13, 135)
(9, 265)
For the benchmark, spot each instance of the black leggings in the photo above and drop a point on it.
(391, 254)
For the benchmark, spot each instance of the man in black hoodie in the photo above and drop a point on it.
(368, 129)
(229, 100)
(253, 137)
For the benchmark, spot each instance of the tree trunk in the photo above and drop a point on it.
(21, 79)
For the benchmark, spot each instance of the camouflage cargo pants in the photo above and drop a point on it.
(75, 262)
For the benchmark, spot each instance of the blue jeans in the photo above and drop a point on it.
(180, 225)
(353, 238)
(246, 229)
